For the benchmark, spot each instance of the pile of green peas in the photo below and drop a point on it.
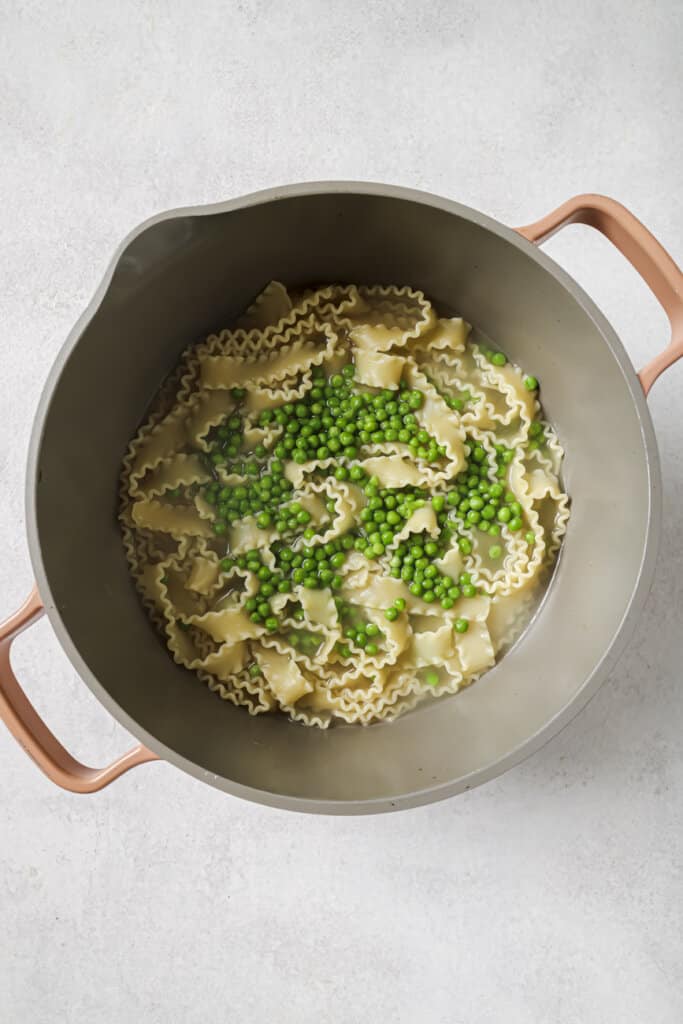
(413, 563)
(385, 515)
(226, 440)
(317, 566)
(365, 636)
(335, 420)
(479, 502)
(536, 436)
(270, 582)
(262, 498)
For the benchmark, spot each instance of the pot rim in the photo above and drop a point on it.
(593, 681)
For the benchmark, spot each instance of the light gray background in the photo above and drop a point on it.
(551, 895)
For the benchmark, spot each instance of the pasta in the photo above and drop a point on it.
(343, 505)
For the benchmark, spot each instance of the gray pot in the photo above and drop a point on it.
(186, 273)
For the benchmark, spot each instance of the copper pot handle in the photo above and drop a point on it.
(32, 733)
(643, 252)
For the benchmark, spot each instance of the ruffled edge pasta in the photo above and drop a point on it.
(272, 351)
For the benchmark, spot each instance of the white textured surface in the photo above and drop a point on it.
(551, 895)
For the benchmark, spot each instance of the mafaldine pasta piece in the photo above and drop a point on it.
(284, 677)
(378, 370)
(342, 505)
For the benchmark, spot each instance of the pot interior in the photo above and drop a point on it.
(186, 276)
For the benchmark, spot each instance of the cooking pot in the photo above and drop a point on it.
(188, 272)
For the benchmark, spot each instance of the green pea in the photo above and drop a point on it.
(416, 589)
(504, 515)
(515, 524)
(465, 545)
(495, 551)
(371, 649)
(461, 625)
(263, 520)
(271, 623)
(498, 359)
(431, 677)
(254, 671)
(392, 613)
(447, 602)
(400, 604)
(531, 384)
(530, 537)
(227, 564)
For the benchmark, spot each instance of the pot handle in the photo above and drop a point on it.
(640, 248)
(32, 733)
